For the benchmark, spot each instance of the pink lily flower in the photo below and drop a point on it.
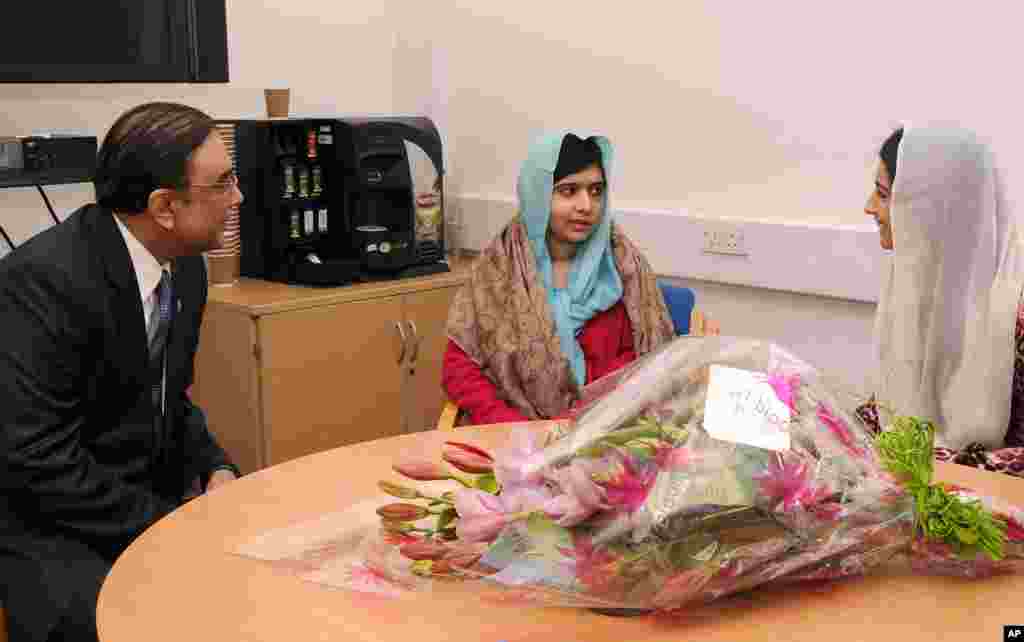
(674, 458)
(470, 503)
(577, 479)
(1014, 529)
(526, 498)
(629, 486)
(518, 463)
(839, 429)
(481, 528)
(567, 511)
(785, 388)
(787, 483)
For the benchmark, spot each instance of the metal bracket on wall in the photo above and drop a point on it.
(48, 205)
(3, 232)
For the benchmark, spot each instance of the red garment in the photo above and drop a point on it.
(607, 342)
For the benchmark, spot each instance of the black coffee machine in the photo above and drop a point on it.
(342, 200)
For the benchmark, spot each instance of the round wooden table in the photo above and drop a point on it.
(180, 582)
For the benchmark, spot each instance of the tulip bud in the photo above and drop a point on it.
(395, 490)
(468, 459)
(392, 526)
(402, 512)
(424, 550)
(470, 448)
(422, 470)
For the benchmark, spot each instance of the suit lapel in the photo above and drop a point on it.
(175, 346)
(126, 306)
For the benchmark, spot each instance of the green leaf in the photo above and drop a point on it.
(594, 451)
(639, 451)
(906, 450)
(706, 553)
(446, 518)
(621, 437)
(687, 553)
(487, 483)
(967, 536)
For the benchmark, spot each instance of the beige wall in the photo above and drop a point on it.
(732, 108)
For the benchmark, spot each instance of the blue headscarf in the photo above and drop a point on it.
(594, 281)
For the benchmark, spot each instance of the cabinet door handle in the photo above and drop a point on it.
(401, 334)
(415, 342)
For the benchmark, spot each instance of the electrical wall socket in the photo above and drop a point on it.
(724, 238)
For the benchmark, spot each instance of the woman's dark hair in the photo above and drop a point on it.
(890, 152)
(147, 149)
(577, 154)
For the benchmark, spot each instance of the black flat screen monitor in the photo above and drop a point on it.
(102, 41)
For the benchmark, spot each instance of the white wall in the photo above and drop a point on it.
(336, 57)
(728, 108)
(831, 334)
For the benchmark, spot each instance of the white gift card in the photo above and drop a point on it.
(742, 407)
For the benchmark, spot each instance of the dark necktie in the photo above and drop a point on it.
(159, 327)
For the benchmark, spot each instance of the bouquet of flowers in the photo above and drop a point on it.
(709, 467)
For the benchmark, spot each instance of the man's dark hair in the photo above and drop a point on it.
(890, 153)
(147, 149)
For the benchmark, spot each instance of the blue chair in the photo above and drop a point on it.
(680, 302)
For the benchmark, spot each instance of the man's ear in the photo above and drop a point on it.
(161, 205)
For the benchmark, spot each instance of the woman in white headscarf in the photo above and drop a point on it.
(949, 327)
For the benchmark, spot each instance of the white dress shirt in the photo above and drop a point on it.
(147, 272)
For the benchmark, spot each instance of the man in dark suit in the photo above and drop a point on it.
(99, 322)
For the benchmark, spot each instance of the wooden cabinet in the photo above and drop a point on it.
(285, 371)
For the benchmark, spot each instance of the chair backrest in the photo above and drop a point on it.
(680, 302)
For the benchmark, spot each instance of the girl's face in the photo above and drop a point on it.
(577, 202)
(878, 206)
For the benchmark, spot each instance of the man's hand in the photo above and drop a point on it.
(219, 478)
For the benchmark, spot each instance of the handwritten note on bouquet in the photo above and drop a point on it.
(742, 408)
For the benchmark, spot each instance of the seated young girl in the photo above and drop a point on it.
(949, 325)
(557, 300)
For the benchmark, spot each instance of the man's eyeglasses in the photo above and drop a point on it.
(222, 186)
